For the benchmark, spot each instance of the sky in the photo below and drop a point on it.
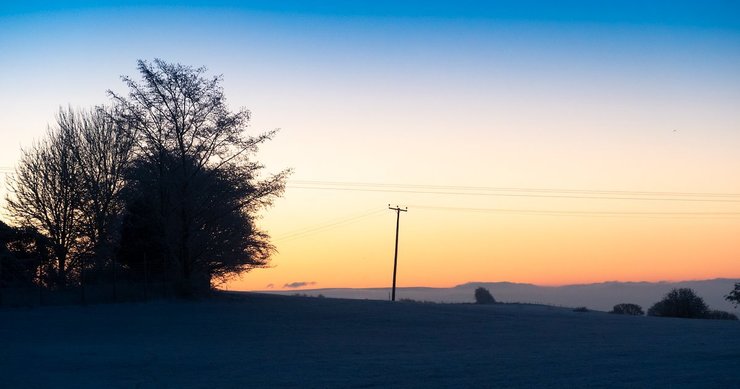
(531, 142)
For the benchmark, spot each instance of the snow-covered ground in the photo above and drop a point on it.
(254, 340)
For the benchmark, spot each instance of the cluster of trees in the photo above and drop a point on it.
(159, 183)
(682, 303)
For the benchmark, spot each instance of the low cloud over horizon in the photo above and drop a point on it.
(299, 284)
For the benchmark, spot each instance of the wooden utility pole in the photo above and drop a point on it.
(395, 255)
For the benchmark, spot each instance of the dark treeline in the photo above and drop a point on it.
(158, 185)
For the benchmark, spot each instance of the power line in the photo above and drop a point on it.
(351, 219)
(510, 189)
(564, 196)
(584, 213)
(326, 226)
(330, 223)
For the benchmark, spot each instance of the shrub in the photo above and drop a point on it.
(680, 303)
(483, 296)
(627, 309)
(412, 301)
(721, 315)
(580, 309)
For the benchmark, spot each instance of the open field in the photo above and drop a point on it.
(254, 340)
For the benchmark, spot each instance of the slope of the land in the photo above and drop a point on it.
(600, 296)
(252, 340)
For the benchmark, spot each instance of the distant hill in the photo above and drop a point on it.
(600, 296)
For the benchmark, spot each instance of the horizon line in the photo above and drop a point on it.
(734, 279)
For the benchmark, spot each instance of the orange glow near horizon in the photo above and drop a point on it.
(442, 248)
(447, 248)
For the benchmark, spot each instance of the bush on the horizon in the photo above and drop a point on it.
(483, 296)
(721, 315)
(412, 301)
(627, 309)
(682, 303)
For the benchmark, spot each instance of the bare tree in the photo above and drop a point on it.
(191, 150)
(102, 148)
(45, 193)
(68, 186)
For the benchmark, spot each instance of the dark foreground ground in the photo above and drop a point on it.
(257, 340)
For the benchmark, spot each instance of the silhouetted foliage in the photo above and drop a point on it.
(226, 242)
(627, 309)
(681, 302)
(580, 309)
(23, 256)
(734, 295)
(483, 296)
(142, 248)
(67, 187)
(162, 185)
(103, 150)
(44, 195)
(412, 301)
(194, 171)
(721, 315)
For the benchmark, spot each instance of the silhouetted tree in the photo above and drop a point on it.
(734, 295)
(67, 186)
(102, 148)
(44, 194)
(195, 173)
(483, 296)
(627, 309)
(168, 169)
(681, 302)
(226, 243)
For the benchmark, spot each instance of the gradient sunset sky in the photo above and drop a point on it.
(533, 141)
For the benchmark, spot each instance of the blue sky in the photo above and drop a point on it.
(623, 96)
(709, 14)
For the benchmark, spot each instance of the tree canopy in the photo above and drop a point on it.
(682, 302)
(163, 176)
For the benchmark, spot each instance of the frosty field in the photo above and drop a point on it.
(255, 340)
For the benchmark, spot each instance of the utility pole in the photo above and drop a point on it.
(395, 255)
